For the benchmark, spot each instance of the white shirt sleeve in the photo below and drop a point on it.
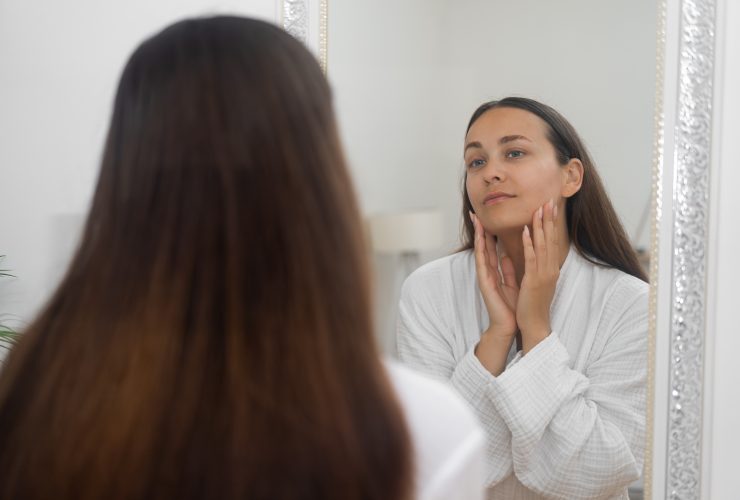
(448, 441)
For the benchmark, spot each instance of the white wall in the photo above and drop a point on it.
(59, 65)
(386, 75)
(592, 61)
(384, 67)
(408, 75)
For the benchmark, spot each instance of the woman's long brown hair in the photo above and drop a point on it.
(593, 225)
(212, 338)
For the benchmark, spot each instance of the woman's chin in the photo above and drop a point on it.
(502, 230)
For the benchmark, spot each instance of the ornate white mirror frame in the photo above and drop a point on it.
(676, 459)
(307, 21)
(685, 69)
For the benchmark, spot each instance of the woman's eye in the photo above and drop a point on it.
(476, 163)
(515, 154)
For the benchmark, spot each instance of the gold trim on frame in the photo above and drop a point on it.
(656, 207)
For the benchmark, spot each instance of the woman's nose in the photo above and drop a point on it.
(493, 172)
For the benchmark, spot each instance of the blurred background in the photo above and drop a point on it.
(59, 67)
(406, 76)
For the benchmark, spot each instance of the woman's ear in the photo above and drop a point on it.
(572, 178)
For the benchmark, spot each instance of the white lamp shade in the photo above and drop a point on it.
(416, 231)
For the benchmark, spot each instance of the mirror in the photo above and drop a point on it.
(407, 76)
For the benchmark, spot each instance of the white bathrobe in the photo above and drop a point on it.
(568, 419)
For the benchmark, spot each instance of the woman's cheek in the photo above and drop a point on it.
(471, 192)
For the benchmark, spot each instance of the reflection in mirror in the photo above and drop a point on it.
(407, 77)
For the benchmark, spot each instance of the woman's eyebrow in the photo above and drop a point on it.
(505, 139)
(511, 138)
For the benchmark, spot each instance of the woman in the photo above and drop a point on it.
(212, 337)
(540, 322)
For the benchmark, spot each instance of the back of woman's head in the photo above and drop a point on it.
(212, 337)
(594, 227)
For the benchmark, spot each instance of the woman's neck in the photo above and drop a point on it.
(510, 244)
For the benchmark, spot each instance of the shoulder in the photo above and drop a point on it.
(440, 275)
(618, 286)
(620, 302)
(447, 437)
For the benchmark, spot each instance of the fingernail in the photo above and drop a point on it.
(555, 212)
(526, 230)
(539, 213)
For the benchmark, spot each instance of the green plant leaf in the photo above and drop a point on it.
(4, 272)
(8, 336)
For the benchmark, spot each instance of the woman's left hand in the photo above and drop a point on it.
(541, 271)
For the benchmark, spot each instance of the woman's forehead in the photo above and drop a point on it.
(497, 123)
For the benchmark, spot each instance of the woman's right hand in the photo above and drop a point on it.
(500, 294)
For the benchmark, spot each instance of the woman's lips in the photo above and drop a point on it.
(496, 198)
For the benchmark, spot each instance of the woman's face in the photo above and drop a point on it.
(512, 169)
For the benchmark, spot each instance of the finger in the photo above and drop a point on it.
(538, 238)
(548, 227)
(492, 255)
(478, 250)
(530, 261)
(547, 221)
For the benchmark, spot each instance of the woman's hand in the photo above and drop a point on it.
(541, 271)
(499, 291)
